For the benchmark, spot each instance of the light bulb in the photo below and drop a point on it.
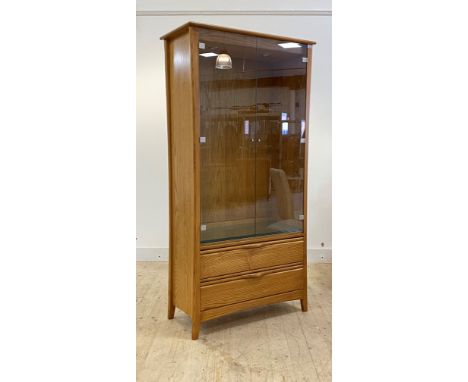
(223, 61)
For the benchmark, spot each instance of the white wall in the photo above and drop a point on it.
(152, 171)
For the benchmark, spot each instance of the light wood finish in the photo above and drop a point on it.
(251, 257)
(182, 74)
(209, 314)
(253, 240)
(249, 274)
(209, 280)
(170, 303)
(256, 286)
(268, 343)
(196, 317)
(180, 30)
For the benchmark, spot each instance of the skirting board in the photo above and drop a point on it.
(314, 255)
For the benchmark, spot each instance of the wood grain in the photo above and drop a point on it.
(249, 258)
(170, 302)
(226, 182)
(249, 274)
(182, 152)
(206, 247)
(195, 81)
(227, 309)
(260, 285)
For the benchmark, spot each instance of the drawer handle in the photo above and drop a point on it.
(254, 246)
(255, 275)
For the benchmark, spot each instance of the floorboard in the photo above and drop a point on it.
(277, 342)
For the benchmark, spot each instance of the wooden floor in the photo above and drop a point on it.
(272, 343)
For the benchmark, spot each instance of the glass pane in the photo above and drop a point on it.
(227, 144)
(281, 112)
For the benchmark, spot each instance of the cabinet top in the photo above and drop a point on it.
(180, 30)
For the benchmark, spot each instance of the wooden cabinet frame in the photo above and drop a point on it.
(202, 298)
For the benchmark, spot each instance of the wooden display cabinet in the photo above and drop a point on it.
(237, 112)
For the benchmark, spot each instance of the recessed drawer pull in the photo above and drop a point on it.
(251, 258)
(255, 275)
(256, 285)
(254, 246)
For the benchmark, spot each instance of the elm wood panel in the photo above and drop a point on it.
(228, 154)
(256, 242)
(182, 29)
(247, 274)
(182, 176)
(250, 258)
(194, 68)
(222, 202)
(258, 286)
(227, 309)
(170, 303)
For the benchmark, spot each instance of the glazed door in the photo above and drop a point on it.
(252, 127)
(280, 136)
(227, 129)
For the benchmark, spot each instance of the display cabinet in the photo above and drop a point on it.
(237, 112)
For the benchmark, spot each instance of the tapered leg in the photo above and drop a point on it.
(170, 310)
(170, 301)
(304, 304)
(195, 328)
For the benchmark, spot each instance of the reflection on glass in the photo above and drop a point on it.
(253, 118)
(281, 87)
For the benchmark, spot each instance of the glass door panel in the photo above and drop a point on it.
(280, 149)
(227, 129)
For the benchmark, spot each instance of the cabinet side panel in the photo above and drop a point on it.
(182, 172)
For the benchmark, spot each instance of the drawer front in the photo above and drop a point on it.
(250, 257)
(253, 286)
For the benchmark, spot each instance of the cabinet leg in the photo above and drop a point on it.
(195, 328)
(304, 304)
(170, 310)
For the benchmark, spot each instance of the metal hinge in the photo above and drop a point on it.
(201, 45)
(304, 59)
(202, 139)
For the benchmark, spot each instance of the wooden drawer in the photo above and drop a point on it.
(250, 287)
(250, 257)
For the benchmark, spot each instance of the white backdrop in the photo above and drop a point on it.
(152, 170)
